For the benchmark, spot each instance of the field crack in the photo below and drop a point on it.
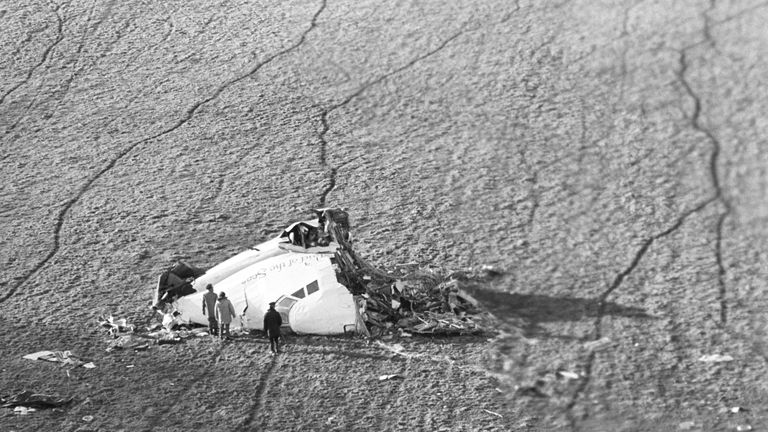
(602, 300)
(325, 127)
(694, 119)
(89, 31)
(64, 211)
(43, 58)
(325, 112)
(695, 123)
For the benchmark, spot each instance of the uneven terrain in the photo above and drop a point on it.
(608, 157)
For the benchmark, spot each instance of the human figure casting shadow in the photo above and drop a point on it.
(272, 323)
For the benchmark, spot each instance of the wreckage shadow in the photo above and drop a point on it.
(535, 309)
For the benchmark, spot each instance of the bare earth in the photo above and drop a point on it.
(609, 156)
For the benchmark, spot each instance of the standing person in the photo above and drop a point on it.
(272, 323)
(209, 309)
(225, 312)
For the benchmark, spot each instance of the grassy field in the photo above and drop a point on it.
(608, 157)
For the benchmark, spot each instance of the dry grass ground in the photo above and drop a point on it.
(609, 156)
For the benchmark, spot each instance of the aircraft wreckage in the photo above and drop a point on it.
(320, 286)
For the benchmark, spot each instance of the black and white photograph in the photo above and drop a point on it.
(383, 215)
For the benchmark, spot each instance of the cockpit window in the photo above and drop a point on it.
(283, 306)
(312, 288)
(285, 303)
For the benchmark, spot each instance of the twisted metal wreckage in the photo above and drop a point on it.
(320, 286)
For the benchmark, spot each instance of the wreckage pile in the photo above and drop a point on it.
(419, 306)
(417, 303)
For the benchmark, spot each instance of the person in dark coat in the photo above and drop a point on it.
(272, 323)
(209, 309)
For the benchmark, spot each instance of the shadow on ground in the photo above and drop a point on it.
(535, 309)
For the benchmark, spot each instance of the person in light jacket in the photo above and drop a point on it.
(225, 312)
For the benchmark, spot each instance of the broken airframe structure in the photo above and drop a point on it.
(320, 286)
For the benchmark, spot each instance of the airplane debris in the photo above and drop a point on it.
(30, 400)
(127, 342)
(321, 286)
(491, 270)
(64, 357)
(172, 320)
(115, 326)
(390, 377)
(22, 410)
(169, 339)
(425, 306)
(569, 375)
(715, 358)
(531, 391)
(598, 345)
